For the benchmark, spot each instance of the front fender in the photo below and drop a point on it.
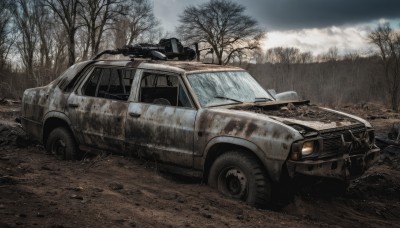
(273, 167)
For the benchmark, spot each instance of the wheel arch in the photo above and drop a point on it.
(220, 145)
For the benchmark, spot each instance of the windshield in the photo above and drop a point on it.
(228, 87)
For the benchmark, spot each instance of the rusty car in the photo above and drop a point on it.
(203, 120)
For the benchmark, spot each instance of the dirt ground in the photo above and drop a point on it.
(36, 190)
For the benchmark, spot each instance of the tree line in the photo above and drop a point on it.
(379, 68)
(40, 38)
(52, 34)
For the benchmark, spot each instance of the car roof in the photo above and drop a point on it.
(172, 66)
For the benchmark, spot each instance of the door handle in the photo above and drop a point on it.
(134, 114)
(72, 105)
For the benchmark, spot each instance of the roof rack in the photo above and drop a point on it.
(166, 49)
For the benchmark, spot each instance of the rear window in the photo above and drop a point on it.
(110, 83)
(70, 76)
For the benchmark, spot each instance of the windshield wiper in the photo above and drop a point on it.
(228, 98)
(262, 99)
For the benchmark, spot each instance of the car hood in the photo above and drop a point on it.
(303, 114)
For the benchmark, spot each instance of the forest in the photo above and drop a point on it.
(39, 39)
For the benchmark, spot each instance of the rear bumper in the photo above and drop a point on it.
(344, 167)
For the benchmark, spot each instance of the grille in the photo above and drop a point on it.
(332, 140)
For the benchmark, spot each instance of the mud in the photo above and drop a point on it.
(36, 190)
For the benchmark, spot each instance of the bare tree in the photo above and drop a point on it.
(97, 15)
(284, 55)
(352, 55)
(288, 55)
(259, 57)
(68, 12)
(332, 55)
(223, 25)
(305, 57)
(60, 51)
(120, 33)
(44, 24)
(156, 34)
(5, 31)
(24, 16)
(137, 20)
(388, 42)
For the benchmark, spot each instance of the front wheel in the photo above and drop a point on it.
(61, 144)
(240, 175)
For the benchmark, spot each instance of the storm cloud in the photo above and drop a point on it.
(300, 14)
(279, 15)
(311, 25)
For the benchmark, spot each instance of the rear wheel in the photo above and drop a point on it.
(61, 144)
(239, 175)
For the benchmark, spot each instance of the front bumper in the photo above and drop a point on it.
(344, 167)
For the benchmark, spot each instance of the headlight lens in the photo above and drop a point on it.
(308, 148)
(304, 148)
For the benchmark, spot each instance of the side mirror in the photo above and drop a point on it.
(287, 96)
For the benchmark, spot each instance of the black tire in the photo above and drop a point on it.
(62, 145)
(240, 175)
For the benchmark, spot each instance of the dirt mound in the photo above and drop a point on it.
(9, 110)
(13, 136)
(371, 201)
(377, 186)
(7, 137)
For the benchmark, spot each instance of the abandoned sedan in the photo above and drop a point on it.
(209, 121)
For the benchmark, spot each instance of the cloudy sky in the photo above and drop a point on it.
(311, 25)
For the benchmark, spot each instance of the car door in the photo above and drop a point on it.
(160, 124)
(99, 107)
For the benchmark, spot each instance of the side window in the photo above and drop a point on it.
(91, 85)
(163, 89)
(102, 91)
(71, 85)
(111, 83)
(116, 83)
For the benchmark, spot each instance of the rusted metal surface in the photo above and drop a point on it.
(100, 121)
(271, 138)
(38, 103)
(187, 137)
(303, 114)
(169, 66)
(343, 167)
(164, 132)
(188, 66)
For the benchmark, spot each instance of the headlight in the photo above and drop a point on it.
(308, 148)
(304, 148)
